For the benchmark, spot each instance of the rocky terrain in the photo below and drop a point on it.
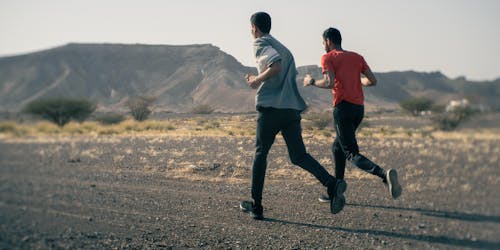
(178, 192)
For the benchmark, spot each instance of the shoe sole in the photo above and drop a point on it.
(255, 216)
(244, 209)
(394, 186)
(338, 201)
(323, 200)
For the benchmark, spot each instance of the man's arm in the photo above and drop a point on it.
(325, 83)
(255, 81)
(369, 79)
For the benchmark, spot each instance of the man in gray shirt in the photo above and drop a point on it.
(279, 104)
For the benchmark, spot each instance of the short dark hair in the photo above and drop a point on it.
(262, 21)
(333, 35)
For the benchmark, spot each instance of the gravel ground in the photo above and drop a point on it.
(183, 192)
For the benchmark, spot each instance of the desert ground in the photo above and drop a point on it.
(177, 183)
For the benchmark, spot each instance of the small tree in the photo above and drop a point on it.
(61, 110)
(139, 107)
(451, 120)
(416, 105)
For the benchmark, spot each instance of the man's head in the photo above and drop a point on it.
(332, 39)
(261, 24)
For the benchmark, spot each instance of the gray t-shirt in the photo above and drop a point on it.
(279, 91)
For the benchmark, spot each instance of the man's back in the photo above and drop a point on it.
(347, 67)
(281, 90)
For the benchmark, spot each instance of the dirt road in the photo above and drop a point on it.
(126, 192)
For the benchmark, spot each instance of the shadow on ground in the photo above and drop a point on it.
(480, 244)
(438, 213)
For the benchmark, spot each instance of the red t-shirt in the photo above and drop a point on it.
(347, 67)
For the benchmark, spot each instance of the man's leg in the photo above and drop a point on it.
(267, 128)
(339, 159)
(292, 133)
(347, 118)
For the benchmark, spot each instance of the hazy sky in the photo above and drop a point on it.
(457, 37)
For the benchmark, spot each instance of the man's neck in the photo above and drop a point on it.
(259, 35)
(336, 47)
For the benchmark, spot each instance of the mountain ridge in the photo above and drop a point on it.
(184, 76)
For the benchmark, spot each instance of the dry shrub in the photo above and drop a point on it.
(448, 121)
(12, 128)
(139, 107)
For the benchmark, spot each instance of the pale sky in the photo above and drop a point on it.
(456, 37)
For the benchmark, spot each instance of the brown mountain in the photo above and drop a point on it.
(185, 76)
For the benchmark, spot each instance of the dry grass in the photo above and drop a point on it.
(238, 125)
(198, 144)
(174, 127)
(201, 149)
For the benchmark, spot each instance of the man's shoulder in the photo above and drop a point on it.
(266, 40)
(354, 54)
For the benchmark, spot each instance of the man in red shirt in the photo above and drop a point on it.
(342, 72)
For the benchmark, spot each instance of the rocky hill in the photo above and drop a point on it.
(185, 76)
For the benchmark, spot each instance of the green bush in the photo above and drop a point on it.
(451, 120)
(110, 118)
(416, 105)
(61, 110)
(139, 107)
(202, 109)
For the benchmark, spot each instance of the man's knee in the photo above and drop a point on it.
(298, 159)
(351, 155)
(336, 147)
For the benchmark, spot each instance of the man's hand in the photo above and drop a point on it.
(307, 80)
(252, 81)
(369, 78)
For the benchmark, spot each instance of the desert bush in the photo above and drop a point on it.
(139, 107)
(61, 110)
(110, 118)
(448, 121)
(416, 105)
(202, 109)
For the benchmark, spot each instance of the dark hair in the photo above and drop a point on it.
(333, 35)
(262, 21)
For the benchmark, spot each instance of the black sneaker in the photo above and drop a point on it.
(336, 192)
(256, 211)
(392, 182)
(324, 198)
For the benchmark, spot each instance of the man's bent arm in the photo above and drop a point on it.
(325, 83)
(256, 81)
(370, 79)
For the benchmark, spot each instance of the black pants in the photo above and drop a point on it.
(347, 117)
(269, 123)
